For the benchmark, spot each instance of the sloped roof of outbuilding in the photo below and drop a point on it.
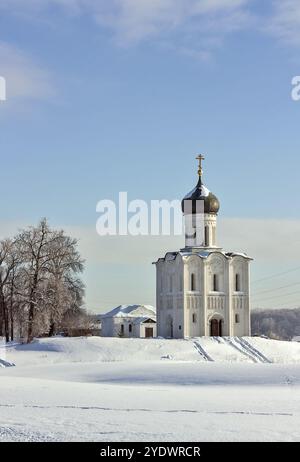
(144, 319)
(134, 311)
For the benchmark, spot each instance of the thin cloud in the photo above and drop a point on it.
(183, 23)
(251, 236)
(285, 21)
(132, 21)
(118, 260)
(25, 78)
(248, 235)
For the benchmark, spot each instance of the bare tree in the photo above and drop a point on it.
(33, 245)
(65, 290)
(39, 282)
(50, 263)
(8, 265)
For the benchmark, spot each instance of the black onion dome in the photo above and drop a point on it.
(200, 193)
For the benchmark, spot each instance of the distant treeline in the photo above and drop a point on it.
(280, 324)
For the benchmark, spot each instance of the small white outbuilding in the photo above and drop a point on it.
(129, 321)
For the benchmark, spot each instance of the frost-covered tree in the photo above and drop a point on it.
(65, 290)
(39, 281)
(34, 249)
(8, 266)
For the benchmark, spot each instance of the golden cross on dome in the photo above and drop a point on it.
(200, 158)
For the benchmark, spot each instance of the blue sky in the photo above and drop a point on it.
(116, 96)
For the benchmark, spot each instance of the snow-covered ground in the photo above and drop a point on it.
(103, 389)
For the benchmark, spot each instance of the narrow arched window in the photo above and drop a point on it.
(193, 282)
(130, 328)
(180, 283)
(206, 236)
(215, 283)
(237, 318)
(194, 318)
(237, 283)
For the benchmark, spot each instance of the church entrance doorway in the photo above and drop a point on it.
(170, 327)
(148, 332)
(216, 328)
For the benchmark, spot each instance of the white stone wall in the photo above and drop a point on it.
(183, 312)
(169, 298)
(217, 301)
(195, 226)
(111, 327)
(107, 327)
(241, 298)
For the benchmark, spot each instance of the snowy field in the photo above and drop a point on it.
(102, 389)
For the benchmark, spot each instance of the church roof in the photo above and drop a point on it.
(200, 199)
(134, 311)
(144, 319)
(202, 254)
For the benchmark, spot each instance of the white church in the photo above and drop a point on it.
(201, 290)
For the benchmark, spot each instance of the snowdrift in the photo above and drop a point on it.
(204, 349)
